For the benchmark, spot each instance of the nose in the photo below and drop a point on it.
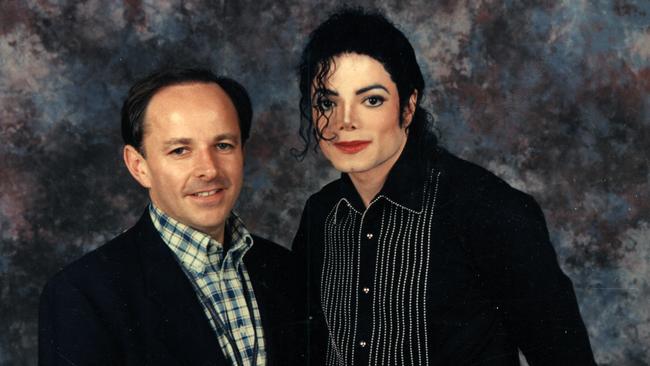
(206, 165)
(347, 120)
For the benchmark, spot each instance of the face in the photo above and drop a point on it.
(363, 136)
(193, 155)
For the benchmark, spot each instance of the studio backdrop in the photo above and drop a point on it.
(550, 95)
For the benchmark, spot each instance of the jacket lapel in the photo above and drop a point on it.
(181, 324)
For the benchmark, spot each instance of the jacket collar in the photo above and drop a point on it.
(405, 182)
(182, 323)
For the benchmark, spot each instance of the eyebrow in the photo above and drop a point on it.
(178, 141)
(325, 91)
(370, 87)
(188, 141)
(227, 136)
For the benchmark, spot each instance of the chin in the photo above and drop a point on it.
(341, 166)
(349, 168)
(209, 222)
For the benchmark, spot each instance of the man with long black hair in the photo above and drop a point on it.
(414, 256)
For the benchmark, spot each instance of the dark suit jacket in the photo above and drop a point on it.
(130, 303)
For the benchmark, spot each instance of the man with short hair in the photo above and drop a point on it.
(188, 284)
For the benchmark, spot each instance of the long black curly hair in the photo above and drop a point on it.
(355, 30)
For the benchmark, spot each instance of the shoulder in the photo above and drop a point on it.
(496, 222)
(319, 204)
(326, 196)
(266, 251)
(465, 173)
(480, 203)
(101, 266)
(474, 181)
(268, 247)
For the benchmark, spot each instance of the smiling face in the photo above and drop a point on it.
(360, 117)
(193, 156)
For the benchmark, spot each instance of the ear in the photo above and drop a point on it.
(137, 165)
(409, 111)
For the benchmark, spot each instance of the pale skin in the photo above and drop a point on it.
(193, 156)
(364, 137)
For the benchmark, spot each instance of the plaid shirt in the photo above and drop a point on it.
(223, 281)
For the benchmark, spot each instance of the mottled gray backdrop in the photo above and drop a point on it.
(553, 96)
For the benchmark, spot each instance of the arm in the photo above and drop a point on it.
(535, 297)
(70, 331)
(306, 276)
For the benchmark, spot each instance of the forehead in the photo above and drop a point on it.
(187, 97)
(190, 105)
(353, 69)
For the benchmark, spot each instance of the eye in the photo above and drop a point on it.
(324, 104)
(374, 101)
(224, 146)
(178, 151)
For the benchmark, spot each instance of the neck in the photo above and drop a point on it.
(370, 182)
(218, 235)
(367, 186)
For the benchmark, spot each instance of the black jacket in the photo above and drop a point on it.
(490, 283)
(130, 303)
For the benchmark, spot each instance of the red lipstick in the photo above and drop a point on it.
(351, 147)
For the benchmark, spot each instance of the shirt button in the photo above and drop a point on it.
(362, 344)
(369, 235)
(365, 290)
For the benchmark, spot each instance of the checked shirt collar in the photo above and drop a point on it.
(194, 249)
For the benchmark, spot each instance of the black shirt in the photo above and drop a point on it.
(448, 265)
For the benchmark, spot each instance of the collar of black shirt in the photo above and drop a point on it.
(405, 182)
